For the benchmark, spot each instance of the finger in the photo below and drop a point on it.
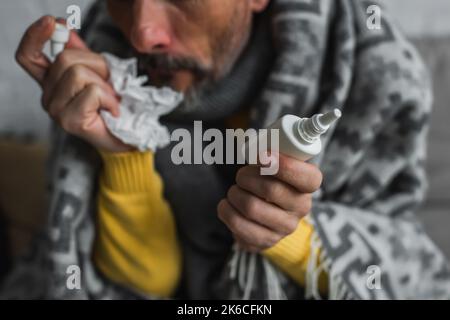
(262, 212)
(69, 58)
(91, 100)
(29, 53)
(101, 100)
(245, 229)
(274, 191)
(74, 80)
(303, 176)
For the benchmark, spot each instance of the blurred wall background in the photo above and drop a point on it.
(22, 119)
(422, 17)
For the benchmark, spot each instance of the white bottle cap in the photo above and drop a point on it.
(311, 129)
(328, 118)
(59, 39)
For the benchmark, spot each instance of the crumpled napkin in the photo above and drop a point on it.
(140, 108)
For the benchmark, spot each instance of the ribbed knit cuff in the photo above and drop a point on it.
(128, 172)
(292, 251)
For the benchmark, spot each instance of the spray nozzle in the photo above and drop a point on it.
(311, 129)
(328, 118)
(59, 39)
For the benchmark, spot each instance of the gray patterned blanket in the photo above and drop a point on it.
(305, 56)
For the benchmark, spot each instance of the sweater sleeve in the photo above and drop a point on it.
(292, 255)
(136, 243)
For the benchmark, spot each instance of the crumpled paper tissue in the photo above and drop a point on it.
(140, 108)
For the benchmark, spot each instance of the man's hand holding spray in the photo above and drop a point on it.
(75, 86)
(261, 210)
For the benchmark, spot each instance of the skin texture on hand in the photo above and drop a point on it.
(262, 210)
(74, 87)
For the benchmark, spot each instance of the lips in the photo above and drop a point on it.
(161, 73)
(178, 79)
(160, 76)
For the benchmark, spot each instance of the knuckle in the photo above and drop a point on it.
(84, 128)
(233, 192)
(93, 90)
(64, 59)
(20, 57)
(272, 191)
(75, 73)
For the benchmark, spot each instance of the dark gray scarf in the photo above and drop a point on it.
(304, 57)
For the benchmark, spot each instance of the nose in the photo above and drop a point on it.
(151, 30)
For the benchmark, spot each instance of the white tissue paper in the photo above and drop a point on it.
(138, 124)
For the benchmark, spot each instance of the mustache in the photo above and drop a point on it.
(172, 63)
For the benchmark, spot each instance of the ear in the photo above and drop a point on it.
(258, 5)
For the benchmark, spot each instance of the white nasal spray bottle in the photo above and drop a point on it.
(300, 137)
(59, 39)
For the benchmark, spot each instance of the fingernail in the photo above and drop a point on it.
(43, 21)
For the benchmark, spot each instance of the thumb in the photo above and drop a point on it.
(29, 53)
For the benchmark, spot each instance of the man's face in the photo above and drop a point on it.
(185, 43)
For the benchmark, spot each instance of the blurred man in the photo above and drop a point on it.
(167, 231)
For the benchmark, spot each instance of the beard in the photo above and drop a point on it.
(163, 69)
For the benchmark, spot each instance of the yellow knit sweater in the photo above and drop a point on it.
(136, 243)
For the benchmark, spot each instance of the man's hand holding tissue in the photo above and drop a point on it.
(262, 210)
(74, 87)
